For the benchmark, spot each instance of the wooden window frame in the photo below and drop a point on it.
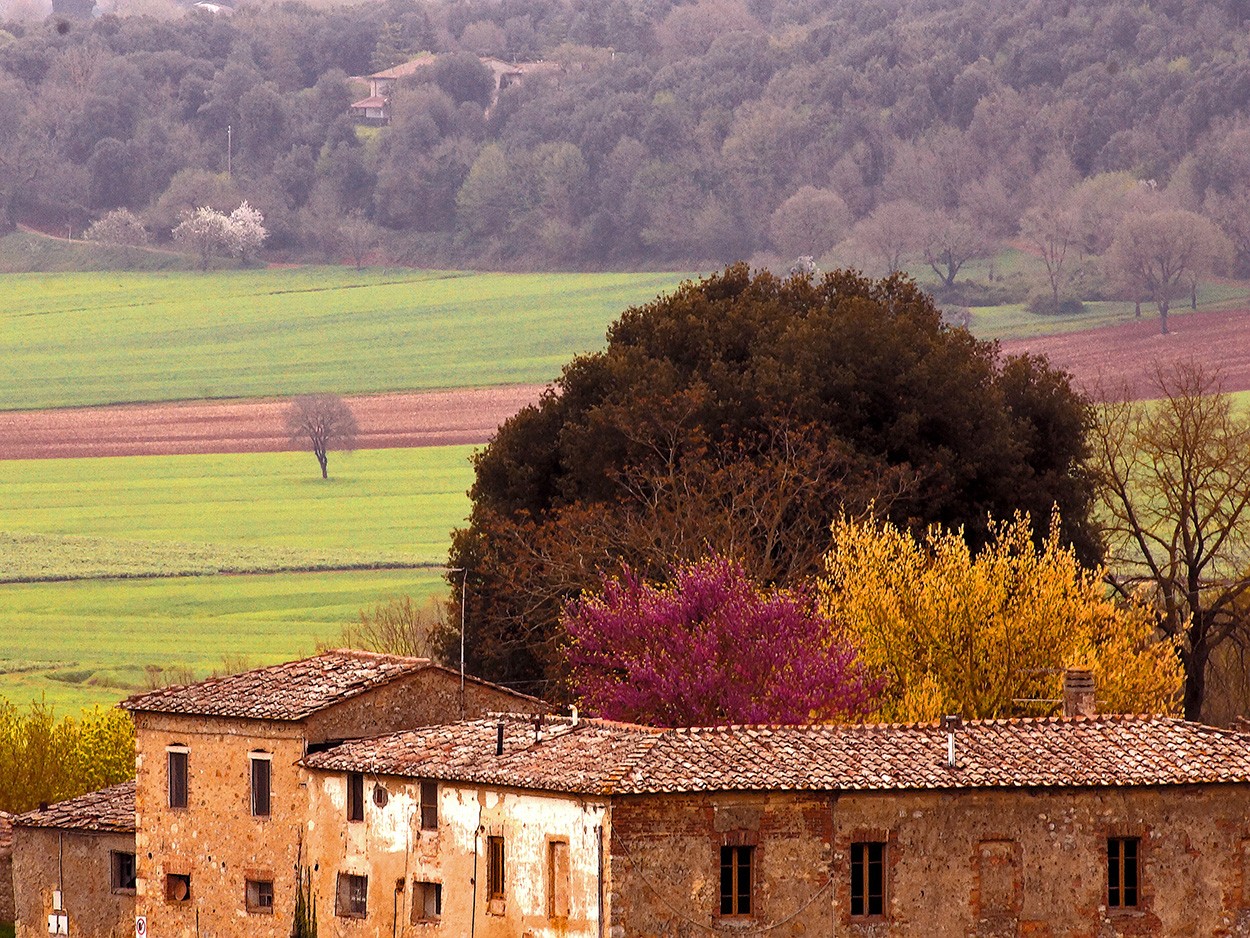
(1124, 864)
(737, 898)
(179, 796)
(261, 795)
(429, 805)
(865, 902)
(118, 882)
(351, 896)
(255, 893)
(355, 796)
(496, 869)
(558, 873)
(422, 889)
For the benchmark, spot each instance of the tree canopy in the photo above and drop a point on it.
(988, 634)
(711, 647)
(741, 414)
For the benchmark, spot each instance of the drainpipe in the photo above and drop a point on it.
(476, 834)
(599, 833)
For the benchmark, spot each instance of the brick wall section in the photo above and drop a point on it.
(94, 910)
(980, 864)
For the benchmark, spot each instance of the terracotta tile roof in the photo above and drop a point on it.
(606, 758)
(109, 809)
(404, 69)
(588, 758)
(294, 690)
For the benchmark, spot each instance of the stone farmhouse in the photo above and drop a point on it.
(376, 108)
(527, 825)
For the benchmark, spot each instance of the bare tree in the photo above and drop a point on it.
(891, 232)
(323, 421)
(950, 241)
(398, 626)
(358, 236)
(1155, 254)
(1174, 480)
(1052, 230)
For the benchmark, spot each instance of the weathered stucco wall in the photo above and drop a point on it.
(83, 862)
(390, 848)
(6, 868)
(981, 864)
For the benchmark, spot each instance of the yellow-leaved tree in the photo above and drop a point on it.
(989, 634)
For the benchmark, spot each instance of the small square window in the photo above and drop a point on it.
(429, 806)
(1123, 872)
(259, 895)
(867, 879)
(178, 887)
(735, 879)
(355, 796)
(351, 896)
(122, 866)
(427, 901)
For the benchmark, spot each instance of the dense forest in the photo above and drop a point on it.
(675, 133)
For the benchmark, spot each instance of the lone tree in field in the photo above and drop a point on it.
(324, 421)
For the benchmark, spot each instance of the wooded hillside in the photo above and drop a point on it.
(676, 132)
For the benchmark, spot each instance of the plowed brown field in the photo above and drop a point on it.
(1127, 355)
(431, 418)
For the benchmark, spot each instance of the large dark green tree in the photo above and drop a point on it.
(741, 414)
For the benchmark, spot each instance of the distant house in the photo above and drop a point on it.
(376, 109)
(74, 866)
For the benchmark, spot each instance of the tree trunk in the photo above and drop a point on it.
(1054, 289)
(1195, 682)
(1163, 317)
(1137, 310)
(322, 459)
(1193, 295)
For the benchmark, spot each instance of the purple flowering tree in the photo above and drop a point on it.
(711, 648)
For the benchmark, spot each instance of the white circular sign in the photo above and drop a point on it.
(141, 926)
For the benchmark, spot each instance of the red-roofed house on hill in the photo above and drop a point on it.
(220, 800)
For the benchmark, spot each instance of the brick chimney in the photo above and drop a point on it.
(1078, 693)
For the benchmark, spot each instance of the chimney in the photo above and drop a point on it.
(1078, 693)
(951, 724)
(499, 739)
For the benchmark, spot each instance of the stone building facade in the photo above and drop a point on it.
(74, 866)
(221, 803)
(527, 825)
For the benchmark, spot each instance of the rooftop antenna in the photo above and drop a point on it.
(464, 586)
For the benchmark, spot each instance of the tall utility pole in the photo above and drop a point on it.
(229, 149)
(464, 586)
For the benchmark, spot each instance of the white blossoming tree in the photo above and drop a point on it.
(208, 232)
(247, 230)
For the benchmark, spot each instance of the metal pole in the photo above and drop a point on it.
(229, 148)
(464, 587)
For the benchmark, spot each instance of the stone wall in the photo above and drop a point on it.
(81, 863)
(7, 914)
(981, 864)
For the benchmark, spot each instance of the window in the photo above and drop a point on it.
(177, 776)
(558, 879)
(352, 895)
(177, 887)
(429, 806)
(258, 895)
(735, 880)
(867, 879)
(494, 868)
(355, 796)
(1123, 872)
(122, 875)
(427, 901)
(261, 763)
